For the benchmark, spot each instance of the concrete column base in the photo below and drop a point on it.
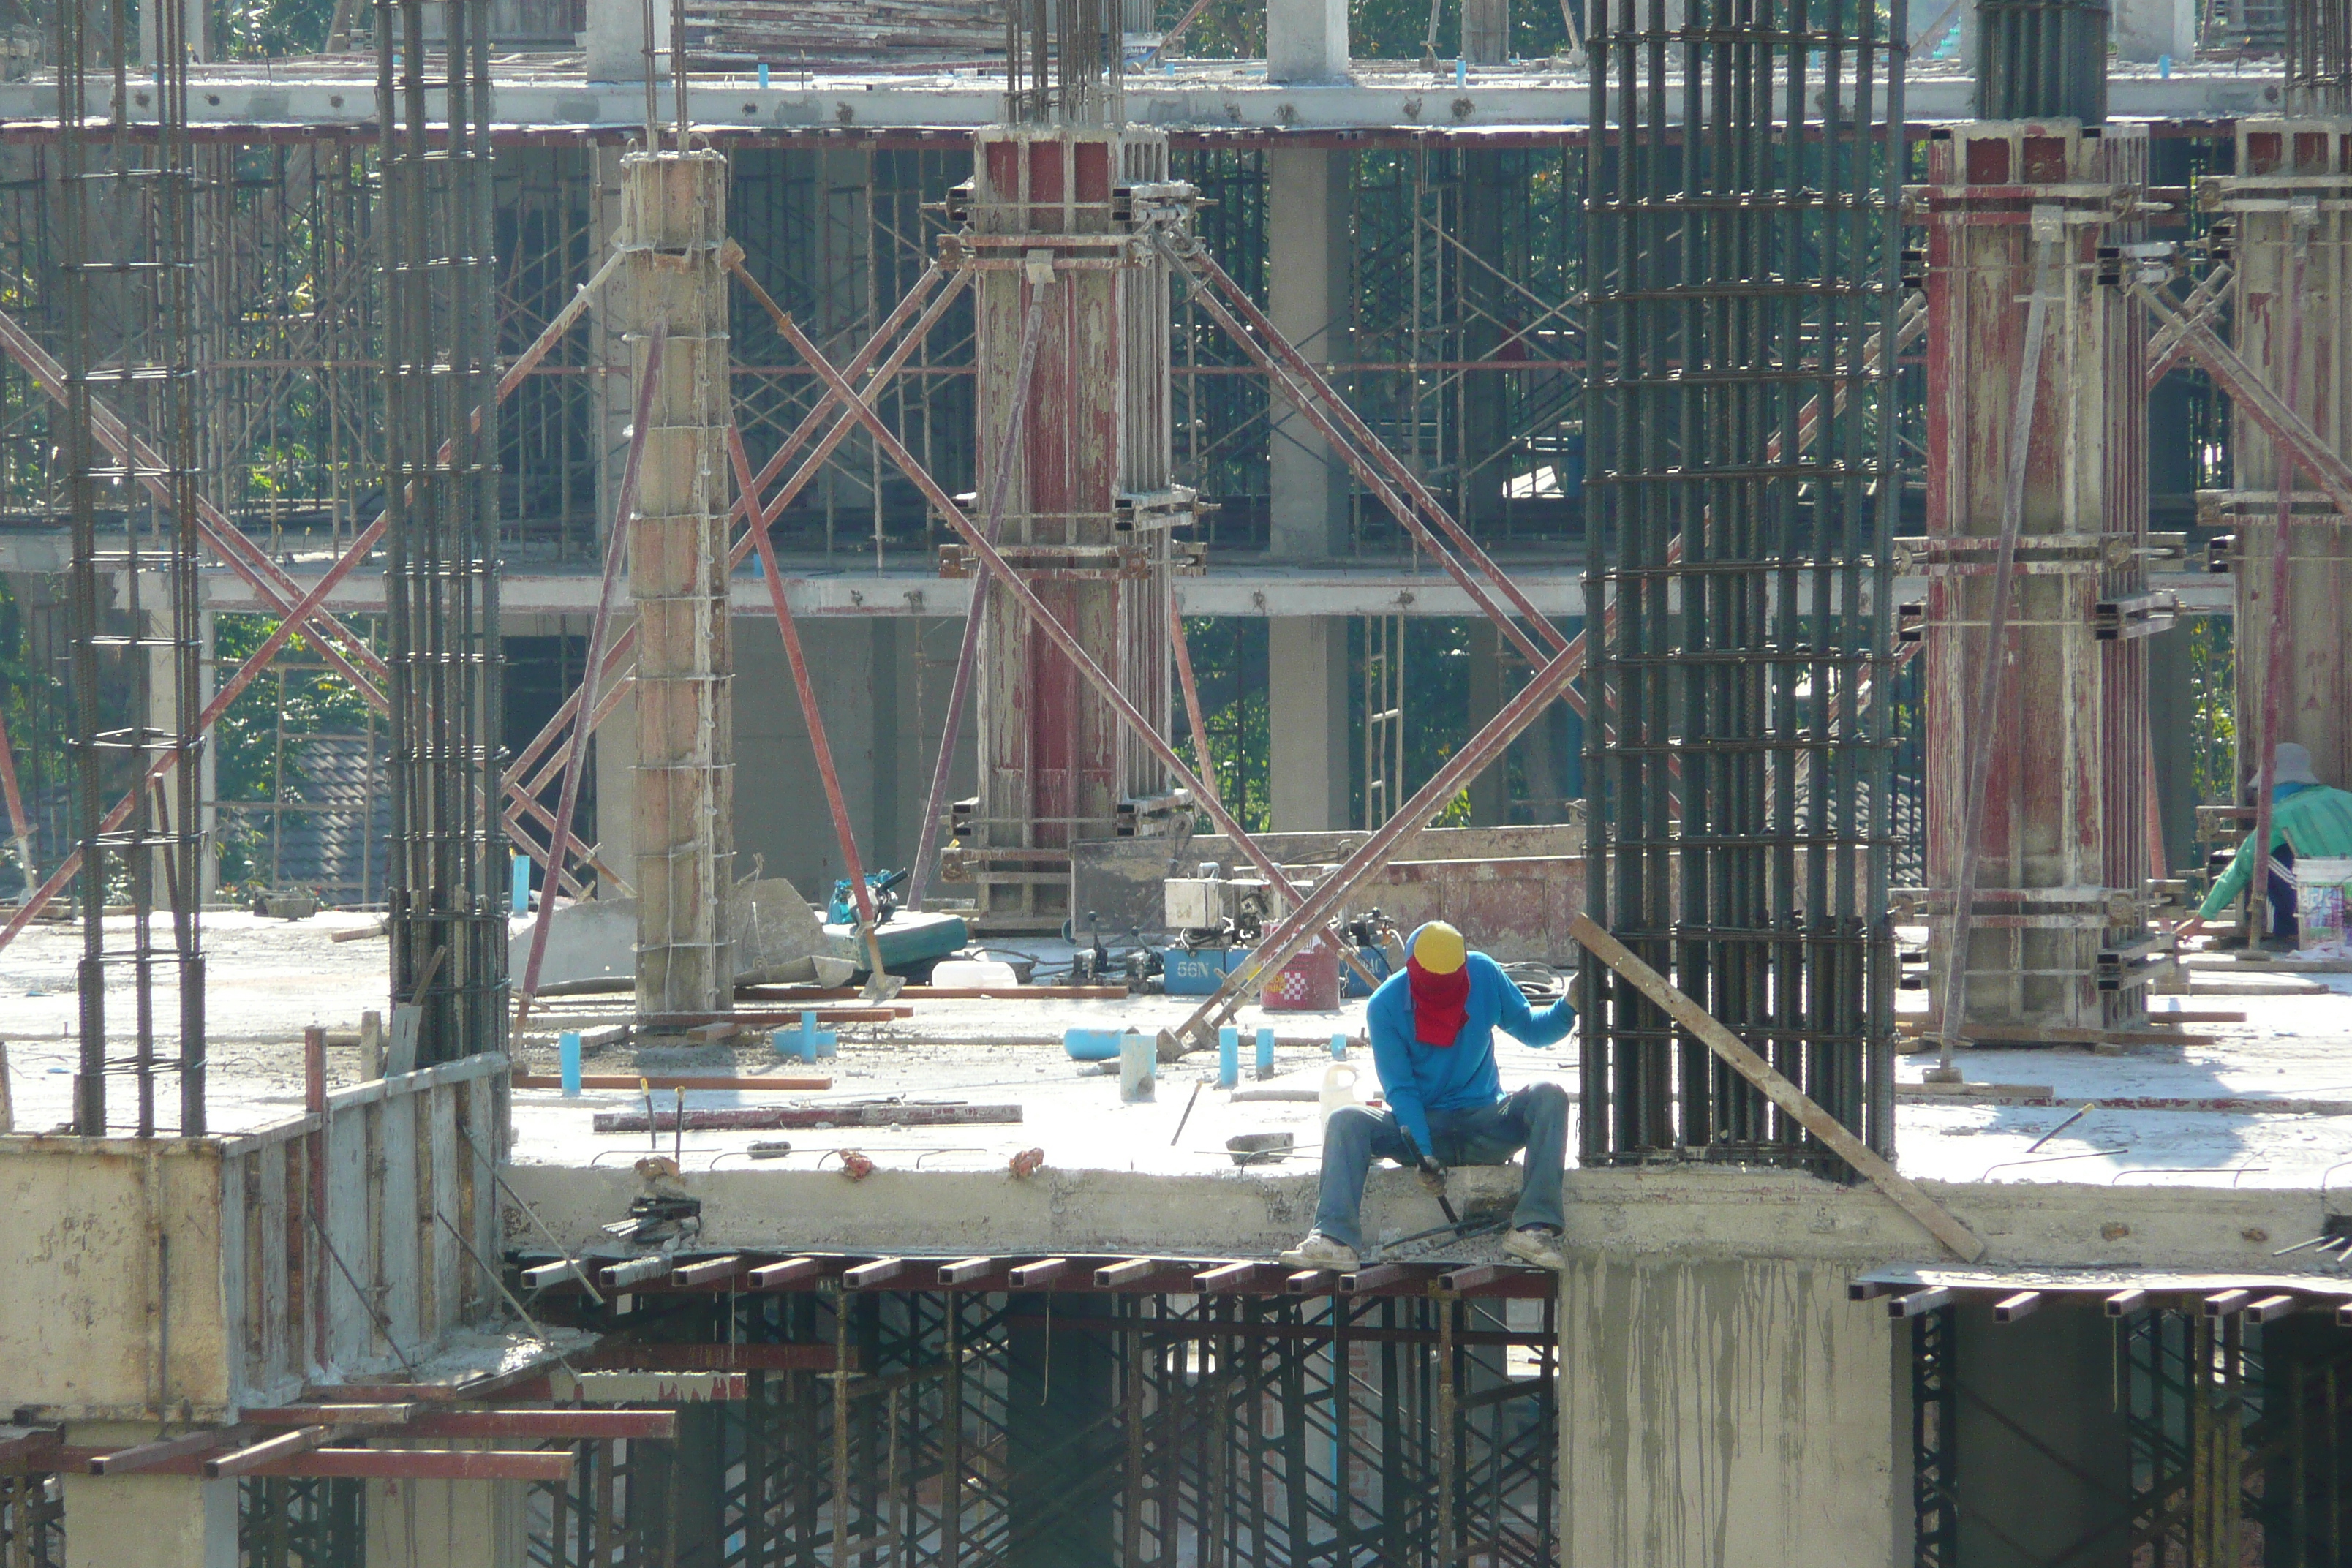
(448, 1524)
(154, 1521)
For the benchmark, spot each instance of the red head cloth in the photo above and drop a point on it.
(1440, 1002)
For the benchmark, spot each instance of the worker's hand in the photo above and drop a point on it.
(1433, 1175)
(2189, 926)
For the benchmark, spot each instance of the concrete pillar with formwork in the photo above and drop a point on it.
(155, 1521)
(2291, 202)
(674, 232)
(2057, 933)
(1307, 279)
(1306, 40)
(1091, 511)
(1309, 781)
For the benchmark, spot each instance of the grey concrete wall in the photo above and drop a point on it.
(1306, 298)
(2043, 1470)
(1725, 1415)
(881, 684)
(1308, 721)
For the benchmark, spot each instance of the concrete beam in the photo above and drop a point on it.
(1380, 95)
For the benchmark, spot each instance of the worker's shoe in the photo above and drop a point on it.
(2279, 943)
(1538, 1244)
(1319, 1251)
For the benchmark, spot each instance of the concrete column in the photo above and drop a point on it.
(614, 40)
(1309, 279)
(1307, 718)
(449, 1524)
(880, 839)
(2147, 30)
(155, 1521)
(674, 219)
(1306, 40)
(1486, 31)
(192, 25)
(783, 820)
(1060, 1501)
(1490, 791)
(1736, 1414)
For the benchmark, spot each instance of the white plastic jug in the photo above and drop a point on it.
(1339, 1087)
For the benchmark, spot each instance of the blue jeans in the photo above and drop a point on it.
(1534, 1119)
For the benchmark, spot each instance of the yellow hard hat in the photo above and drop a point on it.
(1439, 948)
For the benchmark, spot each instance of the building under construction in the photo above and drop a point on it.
(621, 622)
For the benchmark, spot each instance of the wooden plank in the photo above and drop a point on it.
(1378, 1276)
(1899, 1188)
(429, 1464)
(374, 1413)
(765, 1118)
(708, 1271)
(867, 1274)
(165, 1451)
(400, 1234)
(548, 1426)
(770, 1275)
(350, 1329)
(443, 1310)
(743, 1083)
(1227, 1277)
(255, 1456)
(271, 1282)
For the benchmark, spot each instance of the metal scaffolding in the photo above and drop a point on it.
(1739, 266)
(1075, 1425)
(441, 503)
(126, 182)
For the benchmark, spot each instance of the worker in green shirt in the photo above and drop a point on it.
(2307, 819)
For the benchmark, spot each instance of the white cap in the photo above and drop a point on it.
(2291, 764)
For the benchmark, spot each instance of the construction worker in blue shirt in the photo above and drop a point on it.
(1432, 1029)
(2307, 820)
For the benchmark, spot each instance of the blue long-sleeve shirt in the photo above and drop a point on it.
(1419, 1078)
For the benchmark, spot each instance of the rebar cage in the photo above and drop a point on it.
(1741, 266)
(441, 501)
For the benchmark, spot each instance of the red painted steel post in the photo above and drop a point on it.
(2054, 927)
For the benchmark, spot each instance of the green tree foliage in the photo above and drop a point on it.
(264, 29)
(245, 739)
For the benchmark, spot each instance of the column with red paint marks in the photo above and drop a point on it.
(2057, 935)
(1092, 513)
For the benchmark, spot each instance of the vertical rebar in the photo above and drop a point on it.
(447, 883)
(1743, 210)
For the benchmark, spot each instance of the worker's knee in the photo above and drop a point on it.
(1548, 1097)
(1353, 1123)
